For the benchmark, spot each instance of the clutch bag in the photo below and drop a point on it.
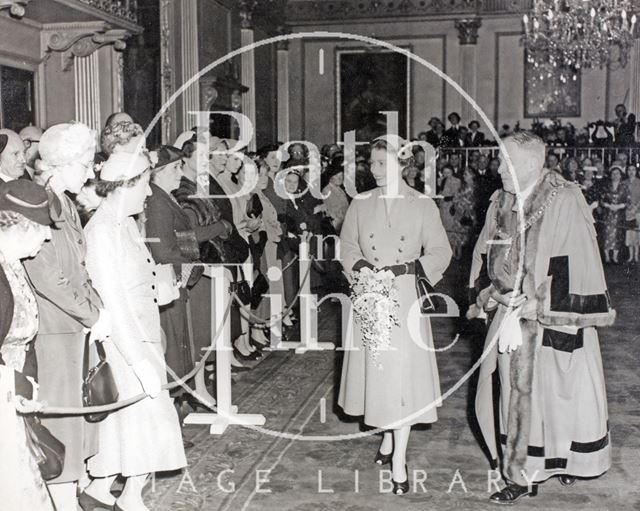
(99, 386)
(423, 290)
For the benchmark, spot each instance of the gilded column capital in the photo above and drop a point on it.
(468, 30)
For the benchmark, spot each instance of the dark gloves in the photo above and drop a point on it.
(402, 269)
(362, 263)
(221, 229)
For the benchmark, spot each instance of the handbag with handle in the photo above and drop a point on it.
(45, 448)
(423, 289)
(99, 386)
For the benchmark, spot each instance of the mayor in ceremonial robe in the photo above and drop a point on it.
(545, 295)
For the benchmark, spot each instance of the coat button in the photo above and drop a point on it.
(153, 273)
(371, 235)
(148, 260)
(400, 250)
(153, 287)
(376, 259)
(401, 238)
(373, 247)
(155, 300)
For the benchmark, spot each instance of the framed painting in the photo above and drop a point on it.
(546, 95)
(370, 81)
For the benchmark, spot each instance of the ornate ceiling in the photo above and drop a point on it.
(340, 10)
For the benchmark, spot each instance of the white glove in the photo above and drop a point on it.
(511, 334)
(148, 377)
(102, 328)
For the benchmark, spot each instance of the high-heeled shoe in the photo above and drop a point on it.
(89, 503)
(382, 459)
(401, 488)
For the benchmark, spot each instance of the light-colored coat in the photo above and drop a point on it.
(387, 232)
(144, 437)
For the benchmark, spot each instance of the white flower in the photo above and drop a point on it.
(375, 305)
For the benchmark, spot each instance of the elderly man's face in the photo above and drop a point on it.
(525, 167)
(12, 159)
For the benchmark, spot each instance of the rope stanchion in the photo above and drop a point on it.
(226, 414)
(308, 317)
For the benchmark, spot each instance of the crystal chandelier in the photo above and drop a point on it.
(568, 35)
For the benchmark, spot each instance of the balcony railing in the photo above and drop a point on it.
(124, 9)
(339, 10)
(606, 154)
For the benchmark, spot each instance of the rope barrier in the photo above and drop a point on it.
(58, 410)
(247, 314)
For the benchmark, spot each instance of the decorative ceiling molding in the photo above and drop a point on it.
(341, 10)
(16, 7)
(81, 39)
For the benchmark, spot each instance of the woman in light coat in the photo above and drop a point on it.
(402, 389)
(144, 437)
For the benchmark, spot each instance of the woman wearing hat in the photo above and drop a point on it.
(176, 242)
(613, 199)
(67, 302)
(24, 227)
(401, 387)
(144, 437)
(336, 201)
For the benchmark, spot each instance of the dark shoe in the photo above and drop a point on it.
(401, 488)
(187, 444)
(567, 480)
(237, 370)
(511, 493)
(257, 345)
(89, 503)
(382, 459)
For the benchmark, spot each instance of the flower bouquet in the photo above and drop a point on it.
(375, 307)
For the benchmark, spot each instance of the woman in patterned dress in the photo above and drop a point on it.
(613, 199)
(23, 231)
(633, 215)
(465, 213)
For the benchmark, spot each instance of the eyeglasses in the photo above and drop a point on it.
(28, 141)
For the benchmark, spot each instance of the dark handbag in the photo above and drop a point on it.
(259, 289)
(99, 387)
(46, 449)
(423, 290)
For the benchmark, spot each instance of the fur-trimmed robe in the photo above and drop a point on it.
(553, 409)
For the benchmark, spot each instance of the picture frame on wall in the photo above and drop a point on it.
(546, 95)
(369, 81)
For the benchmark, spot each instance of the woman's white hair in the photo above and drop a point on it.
(65, 143)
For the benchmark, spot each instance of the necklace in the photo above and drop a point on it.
(533, 218)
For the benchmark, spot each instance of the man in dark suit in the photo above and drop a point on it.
(434, 135)
(13, 163)
(475, 138)
(452, 135)
(625, 127)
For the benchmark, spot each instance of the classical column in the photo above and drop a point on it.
(189, 47)
(117, 87)
(283, 89)
(86, 74)
(248, 72)
(468, 37)
(634, 85)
